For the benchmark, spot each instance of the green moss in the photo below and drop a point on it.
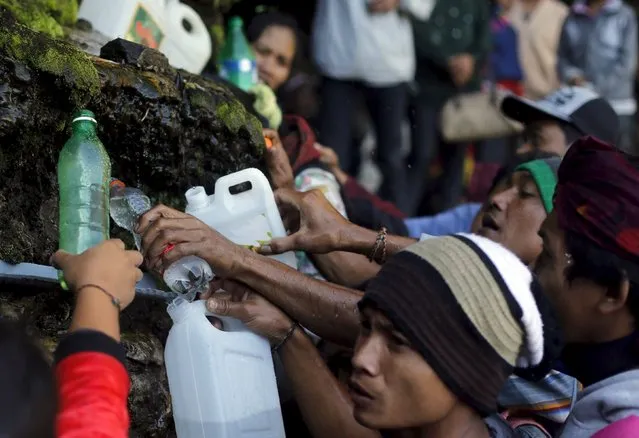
(234, 116)
(47, 16)
(55, 57)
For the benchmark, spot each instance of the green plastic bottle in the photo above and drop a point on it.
(236, 61)
(84, 172)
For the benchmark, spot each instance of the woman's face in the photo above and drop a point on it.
(392, 386)
(513, 215)
(274, 52)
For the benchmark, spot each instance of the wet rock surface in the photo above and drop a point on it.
(165, 131)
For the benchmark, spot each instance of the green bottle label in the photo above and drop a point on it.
(145, 30)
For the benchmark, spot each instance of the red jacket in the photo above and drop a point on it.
(93, 385)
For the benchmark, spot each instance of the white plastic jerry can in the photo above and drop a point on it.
(167, 25)
(243, 210)
(188, 44)
(222, 382)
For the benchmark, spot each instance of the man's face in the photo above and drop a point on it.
(392, 386)
(513, 215)
(545, 136)
(577, 302)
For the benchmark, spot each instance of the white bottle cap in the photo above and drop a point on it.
(196, 198)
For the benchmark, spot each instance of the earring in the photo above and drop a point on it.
(569, 259)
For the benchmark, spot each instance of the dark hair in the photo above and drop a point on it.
(28, 399)
(509, 169)
(571, 132)
(263, 21)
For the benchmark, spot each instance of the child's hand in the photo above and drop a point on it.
(107, 265)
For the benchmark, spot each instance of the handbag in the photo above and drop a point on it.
(470, 117)
(477, 116)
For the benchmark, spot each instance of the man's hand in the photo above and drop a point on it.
(315, 225)
(163, 226)
(330, 158)
(241, 302)
(382, 6)
(461, 68)
(107, 265)
(277, 161)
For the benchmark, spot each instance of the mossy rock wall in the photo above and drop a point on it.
(165, 132)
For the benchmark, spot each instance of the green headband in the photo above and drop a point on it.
(545, 178)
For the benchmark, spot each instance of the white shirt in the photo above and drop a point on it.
(350, 43)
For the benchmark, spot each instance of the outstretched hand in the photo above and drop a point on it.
(315, 225)
(230, 298)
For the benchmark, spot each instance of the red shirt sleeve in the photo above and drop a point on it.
(93, 388)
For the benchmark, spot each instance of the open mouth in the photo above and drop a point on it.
(489, 223)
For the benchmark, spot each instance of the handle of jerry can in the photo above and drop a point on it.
(254, 176)
(230, 324)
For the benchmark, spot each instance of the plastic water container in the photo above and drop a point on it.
(167, 25)
(222, 382)
(243, 209)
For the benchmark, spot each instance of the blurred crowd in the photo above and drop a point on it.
(512, 312)
(418, 73)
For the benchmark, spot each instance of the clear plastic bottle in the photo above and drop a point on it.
(84, 169)
(190, 275)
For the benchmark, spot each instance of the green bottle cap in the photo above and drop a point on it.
(84, 115)
(236, 22)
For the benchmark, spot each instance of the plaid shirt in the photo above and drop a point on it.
(551, 398)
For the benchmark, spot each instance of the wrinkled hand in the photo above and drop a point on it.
(241, 302)
(277, 161)
(162, 226)
(461, 68)
(382, 6)
(108, 265)
(315, 225)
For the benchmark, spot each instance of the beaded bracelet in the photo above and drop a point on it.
(380, 243)
(288, 335)
(114, 300)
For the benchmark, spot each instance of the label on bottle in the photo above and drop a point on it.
(144, 29)
(240, 72)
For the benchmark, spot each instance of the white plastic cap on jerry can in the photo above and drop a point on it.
(222, 382)
(196, 199)
(243, 210)
(166, 25)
